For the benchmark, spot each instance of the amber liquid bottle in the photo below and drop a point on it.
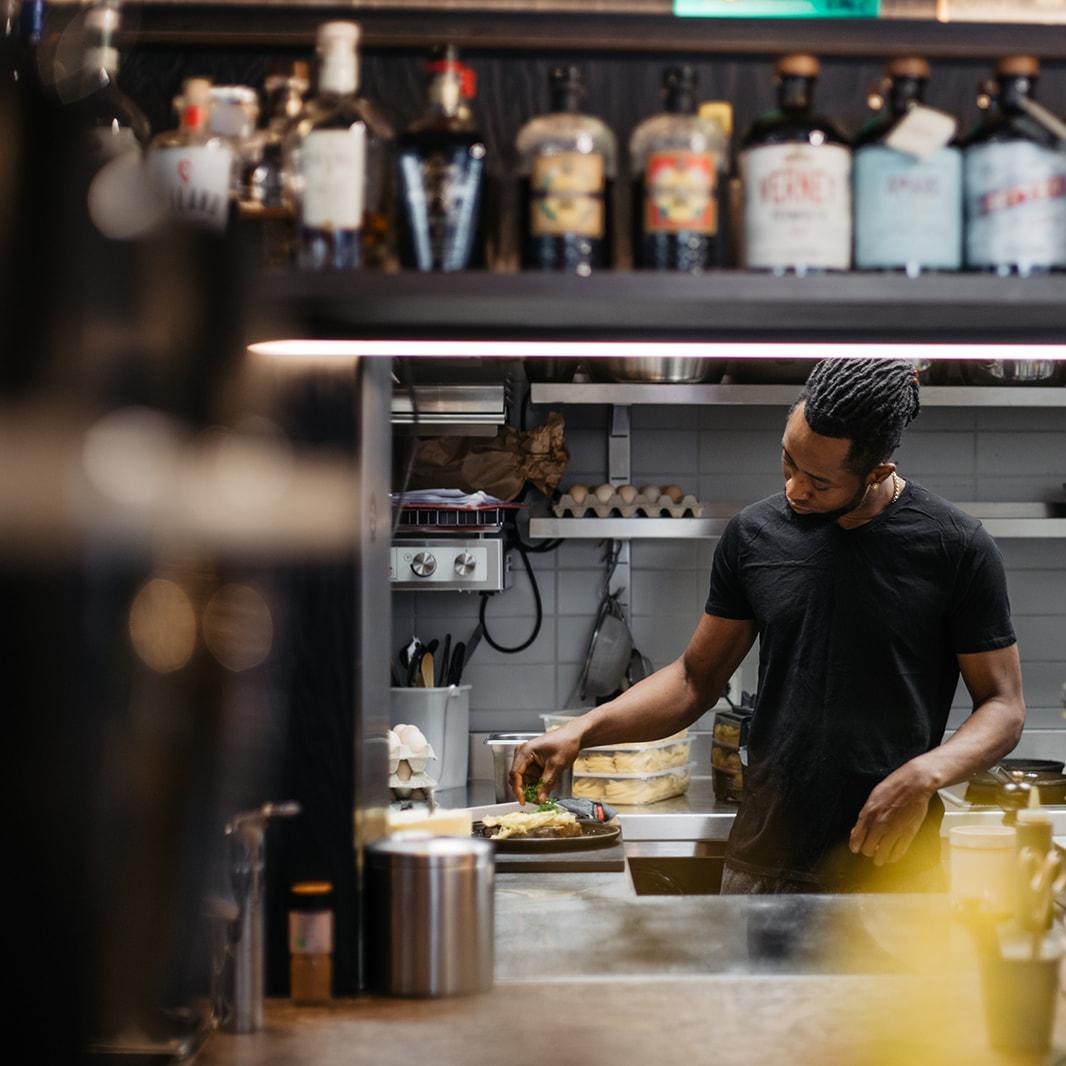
(566, 168)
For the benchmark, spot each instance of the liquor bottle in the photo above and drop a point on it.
(908, 209)
(1015, 181)
(114, 122)
(192, 166)
(676, 160)
(440, 161)
(337, 155)
(566, 165)
(795, 167)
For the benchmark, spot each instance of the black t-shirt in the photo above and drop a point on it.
(858, 633)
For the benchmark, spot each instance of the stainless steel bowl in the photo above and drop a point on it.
(662, 369)
(503, 747)
(1013, 372)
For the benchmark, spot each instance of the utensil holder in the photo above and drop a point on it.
(443, 715)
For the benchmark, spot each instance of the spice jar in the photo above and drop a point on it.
(311, 942)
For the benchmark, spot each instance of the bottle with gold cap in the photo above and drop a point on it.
(795, 167)
(311, 942)
(908, 193)
(676, 158)
(1015, 180)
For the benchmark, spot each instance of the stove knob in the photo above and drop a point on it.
(465, 564)
(424, 564)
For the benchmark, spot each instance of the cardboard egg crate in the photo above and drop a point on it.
(615, 507)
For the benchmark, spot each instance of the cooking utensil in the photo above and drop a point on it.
(1013, 372)
(640, 667)
(414, 664)
(425, 670)
(455, 670)
(593, 835)
(473, 642)
(667, 369)
(442, 665)
(608, 652)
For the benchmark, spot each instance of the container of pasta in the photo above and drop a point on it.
(635, 758)
(554, 721)
(631, 789)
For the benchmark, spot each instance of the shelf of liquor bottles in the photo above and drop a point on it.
(722, 305)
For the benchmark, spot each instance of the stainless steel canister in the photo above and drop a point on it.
(430, 923)
(503, 746)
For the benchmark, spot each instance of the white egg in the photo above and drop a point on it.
(394, 740)
(651, 493)
(418, 745)
(674, 492)
(628, 493)
(406, 733)
(579, 493)
(604, 492)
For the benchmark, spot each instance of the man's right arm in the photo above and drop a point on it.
(669, 700)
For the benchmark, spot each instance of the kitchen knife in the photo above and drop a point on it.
(445, 655)
(455, 671)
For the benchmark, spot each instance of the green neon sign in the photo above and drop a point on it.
(778, 9)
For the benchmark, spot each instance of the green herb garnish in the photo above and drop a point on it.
(531, 792)
(549, 806)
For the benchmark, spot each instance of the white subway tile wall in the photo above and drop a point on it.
(733, 455)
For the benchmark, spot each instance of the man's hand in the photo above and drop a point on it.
(540, 762)
(893, 814)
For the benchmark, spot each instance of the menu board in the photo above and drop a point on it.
(778, 9)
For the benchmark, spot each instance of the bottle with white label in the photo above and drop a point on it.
(192, 166)
(566, 166)
(677, 159)
(337, 156)
(441, 174)
(1015, 180)
(795, 167)
(908, 203)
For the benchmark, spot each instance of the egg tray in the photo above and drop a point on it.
(616, 507)
(418, 762)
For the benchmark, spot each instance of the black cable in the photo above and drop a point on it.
(539, 612)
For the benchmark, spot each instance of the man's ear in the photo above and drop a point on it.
(880, 472)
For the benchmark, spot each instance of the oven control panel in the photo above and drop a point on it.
(448, 564)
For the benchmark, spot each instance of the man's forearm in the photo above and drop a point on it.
(659, 705)
(990, 732)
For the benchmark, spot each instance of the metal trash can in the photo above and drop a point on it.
(430, 919)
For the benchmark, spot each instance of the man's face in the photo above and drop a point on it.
(817, 479)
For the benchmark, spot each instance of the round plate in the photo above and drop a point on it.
(593, 835)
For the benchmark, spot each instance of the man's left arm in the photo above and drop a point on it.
(897, 807)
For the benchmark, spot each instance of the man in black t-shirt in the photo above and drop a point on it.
(869, 596)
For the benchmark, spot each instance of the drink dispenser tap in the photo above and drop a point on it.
(239, 1003)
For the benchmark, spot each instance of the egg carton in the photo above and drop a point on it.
(417, 763)
(616, 507)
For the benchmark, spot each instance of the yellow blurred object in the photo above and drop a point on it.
(721, 114)
(438, 823)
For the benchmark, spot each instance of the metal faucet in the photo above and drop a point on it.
(239, 1000)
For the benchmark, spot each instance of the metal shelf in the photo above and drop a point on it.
(1001, 520)
(779, 395)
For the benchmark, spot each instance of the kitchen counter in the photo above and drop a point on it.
(588, 973)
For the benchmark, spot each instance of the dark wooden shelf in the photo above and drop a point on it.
(285, 25)
(729, 305)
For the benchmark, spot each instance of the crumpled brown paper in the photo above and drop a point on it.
(498, 465)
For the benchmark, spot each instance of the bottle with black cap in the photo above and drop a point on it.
(908, 207)
(440, 162)
(676, 160)
(795, 166)
(566, 166)
(1015, 179)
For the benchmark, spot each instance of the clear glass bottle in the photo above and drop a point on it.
(192, 166)
(115, 123)
(567, 162)
(677, 159)
(795, 167)
(337, 154)
(1015, 180)
(908, 211)
(440, 165)
(265, 180)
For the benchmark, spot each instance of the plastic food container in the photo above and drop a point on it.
(554, 721)
(984, 866)
(630, 789)
(634, 759)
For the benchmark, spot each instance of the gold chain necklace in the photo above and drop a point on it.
(897, 485)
